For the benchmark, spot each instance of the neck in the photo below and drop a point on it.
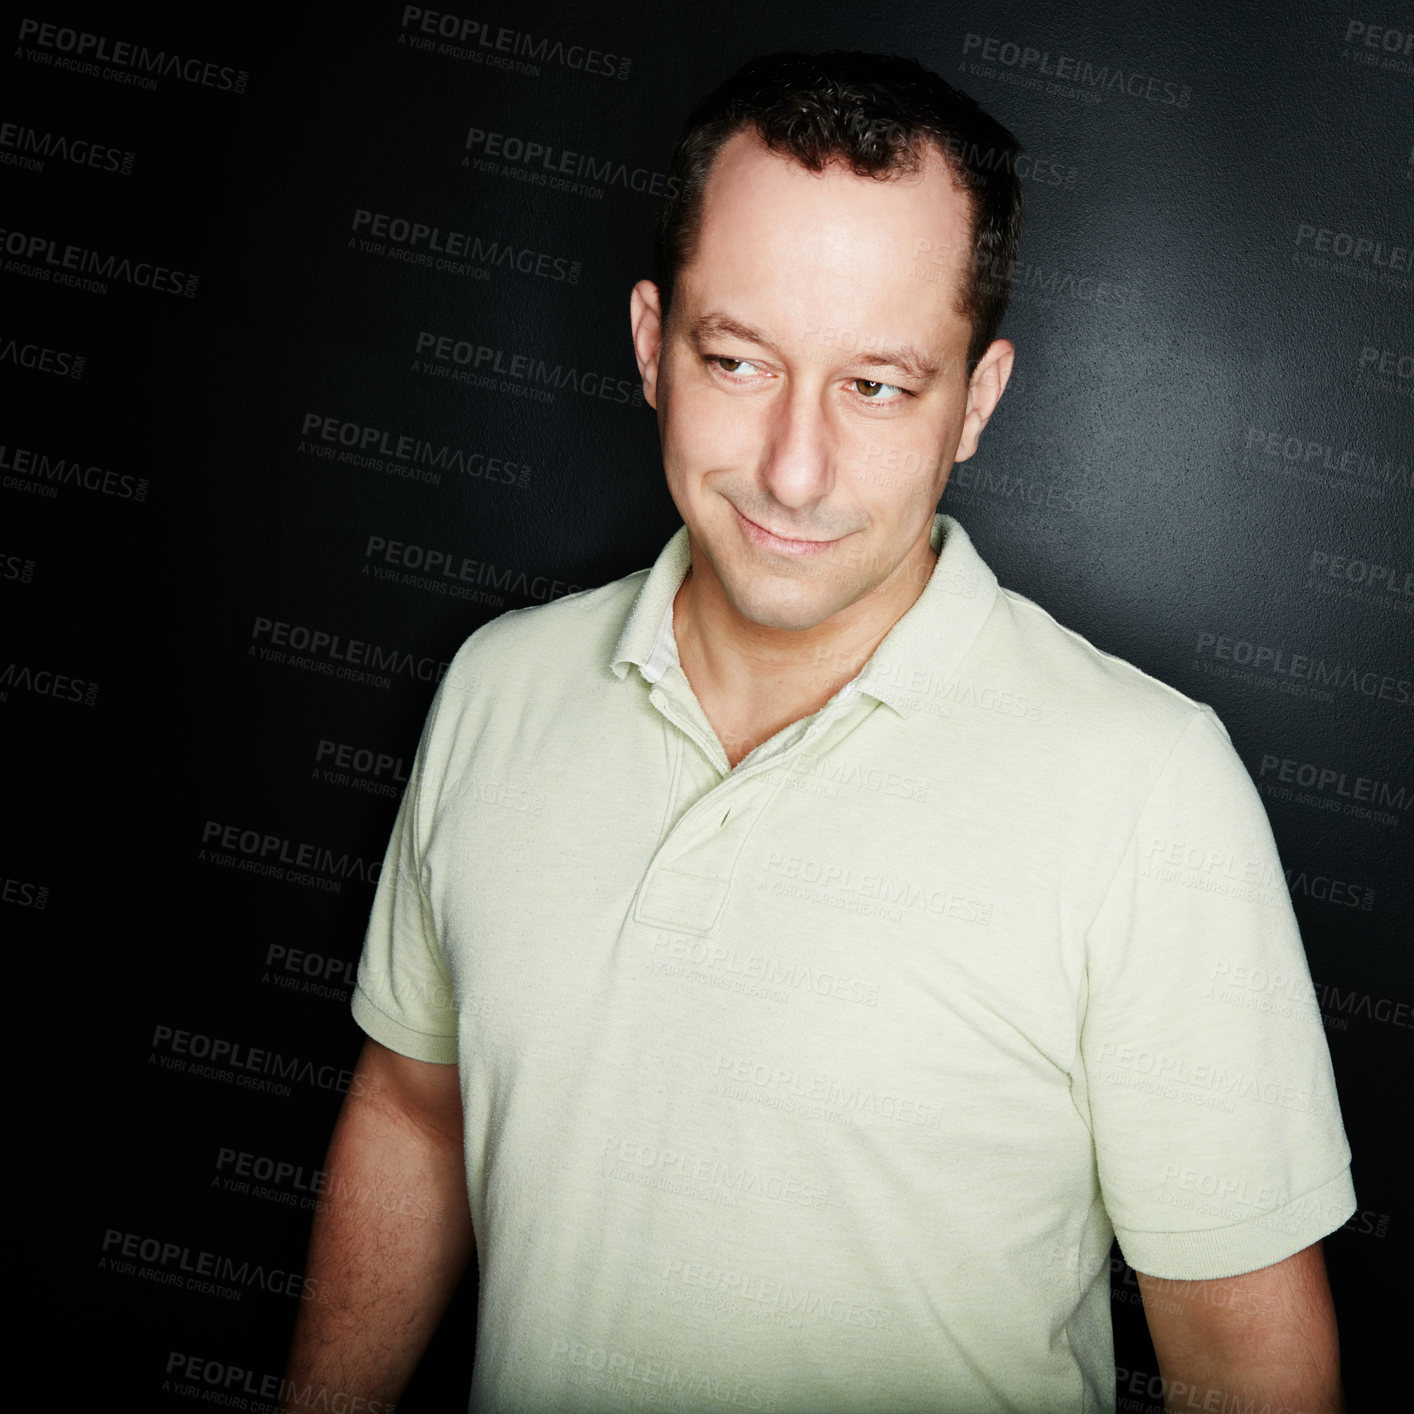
(752, 681)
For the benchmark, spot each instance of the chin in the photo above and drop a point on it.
(781, 610)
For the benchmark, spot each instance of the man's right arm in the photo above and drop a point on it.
(392, 1234)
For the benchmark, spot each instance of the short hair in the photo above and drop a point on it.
(876, 114)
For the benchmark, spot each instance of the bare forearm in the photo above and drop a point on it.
(1238, 1383)
(390, 1241)
(1235, 1380)
(1264, 1339)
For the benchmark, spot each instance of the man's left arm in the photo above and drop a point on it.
(1263, 1339)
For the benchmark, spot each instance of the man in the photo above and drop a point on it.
(805, 956)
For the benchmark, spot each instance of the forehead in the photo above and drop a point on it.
(854, 252)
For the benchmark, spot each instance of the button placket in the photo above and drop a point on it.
(692, 899)
(705, 741)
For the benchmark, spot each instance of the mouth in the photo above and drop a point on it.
(781, 544)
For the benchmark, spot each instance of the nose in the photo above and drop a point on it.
(798, 454)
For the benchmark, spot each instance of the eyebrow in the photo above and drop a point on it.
(914, 365)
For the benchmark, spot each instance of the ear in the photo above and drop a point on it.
(646, 320)
(984, 392)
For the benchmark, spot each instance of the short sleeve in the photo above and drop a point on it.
(403, 997)
(1217, 1129)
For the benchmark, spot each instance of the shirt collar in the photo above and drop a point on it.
(924, 649)
(916, 657)
(647, 639)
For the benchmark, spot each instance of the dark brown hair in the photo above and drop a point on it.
(876, 113)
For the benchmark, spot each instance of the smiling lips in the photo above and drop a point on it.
(759, 535)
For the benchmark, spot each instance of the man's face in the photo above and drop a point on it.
(811, 388)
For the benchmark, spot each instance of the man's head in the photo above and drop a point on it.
(877, 115)
(816, 365)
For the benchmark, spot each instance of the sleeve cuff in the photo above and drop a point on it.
(417, 1045)
(1262, 1241)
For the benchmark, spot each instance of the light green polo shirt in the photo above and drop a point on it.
(821, 1084)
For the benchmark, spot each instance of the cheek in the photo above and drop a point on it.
(702, 433)
(892, 469)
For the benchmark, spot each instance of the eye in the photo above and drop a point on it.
(872, 391)
(733, 365)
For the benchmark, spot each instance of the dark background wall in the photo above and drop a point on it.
(270, 449)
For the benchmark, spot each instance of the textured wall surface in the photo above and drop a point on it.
(314, 355)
